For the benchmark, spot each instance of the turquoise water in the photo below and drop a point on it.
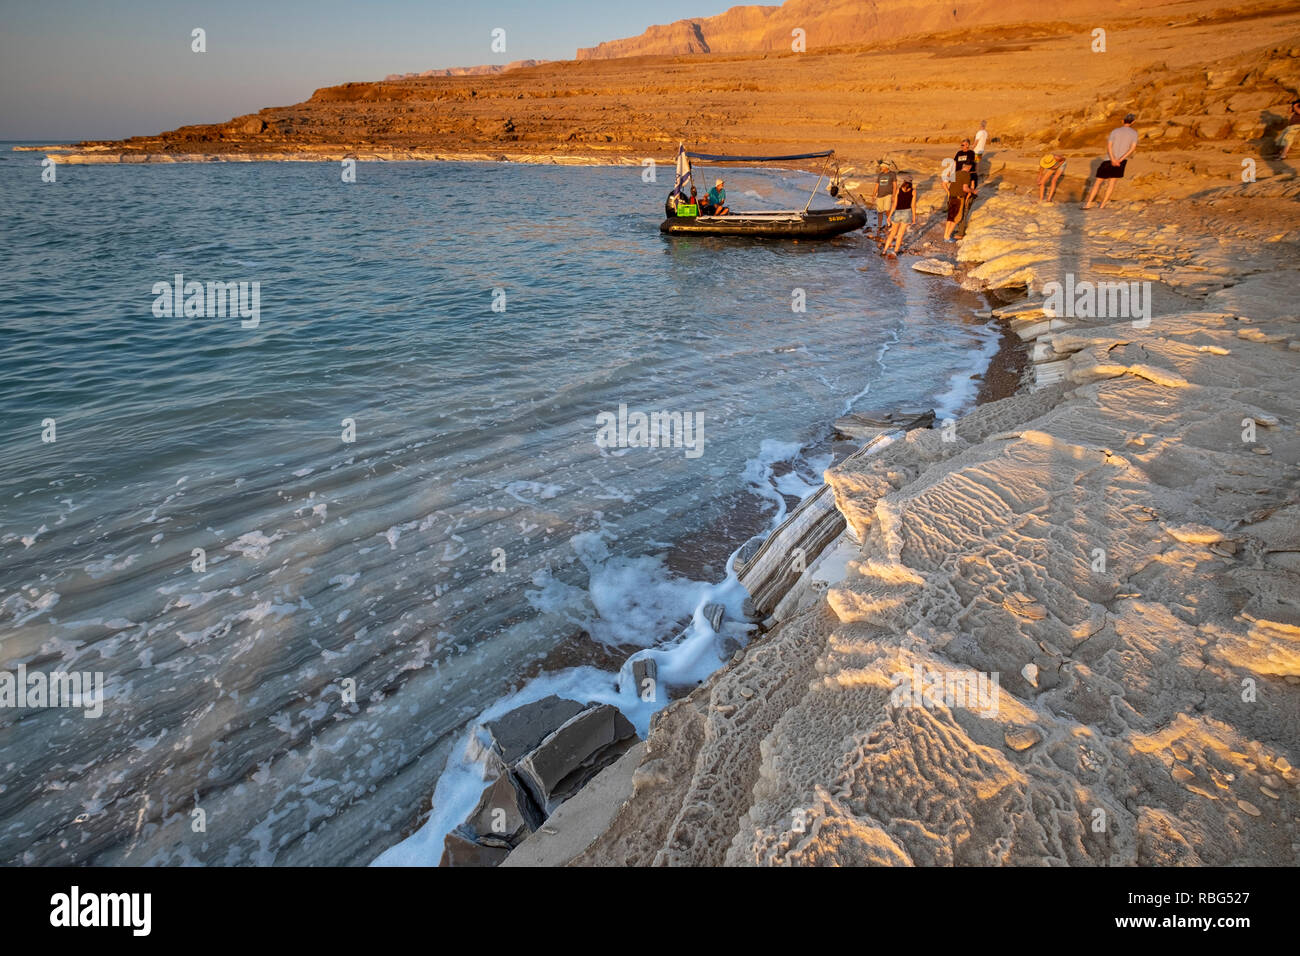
(359, 602)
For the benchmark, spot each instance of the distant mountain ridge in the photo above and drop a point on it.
(828, 23)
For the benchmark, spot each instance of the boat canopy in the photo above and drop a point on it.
(719, 158)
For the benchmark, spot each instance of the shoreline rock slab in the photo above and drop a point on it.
(516, 733)
(574, 753)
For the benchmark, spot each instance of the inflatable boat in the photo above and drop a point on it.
(776, 224)
(806, 223)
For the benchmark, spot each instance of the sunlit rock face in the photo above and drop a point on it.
(824, 23)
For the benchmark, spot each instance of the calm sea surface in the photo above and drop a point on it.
(294, 629)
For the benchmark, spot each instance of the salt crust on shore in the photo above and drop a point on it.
(1149, 706)
(978, 555)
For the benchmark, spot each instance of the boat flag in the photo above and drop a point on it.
(683, 170)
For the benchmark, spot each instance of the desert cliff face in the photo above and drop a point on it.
(1201, 78)
(832, 23)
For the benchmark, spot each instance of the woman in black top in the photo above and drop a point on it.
(901, 215)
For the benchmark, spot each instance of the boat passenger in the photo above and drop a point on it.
(717, 200)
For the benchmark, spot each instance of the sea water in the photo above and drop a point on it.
(307, 546)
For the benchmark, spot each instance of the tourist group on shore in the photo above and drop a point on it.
(894, 194)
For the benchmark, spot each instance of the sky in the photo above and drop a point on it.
(108, 69)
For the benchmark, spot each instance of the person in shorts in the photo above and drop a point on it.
(901, 214)
(968, 184)
(1050, 169)
(961, 193)
(954, 208)
(1120, 145)
(886, 183)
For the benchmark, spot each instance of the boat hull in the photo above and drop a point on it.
(814, 224)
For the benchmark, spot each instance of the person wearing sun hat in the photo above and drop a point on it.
(717, 199)
(1050, 167)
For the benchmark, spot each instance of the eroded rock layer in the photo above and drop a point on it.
(1072, 637)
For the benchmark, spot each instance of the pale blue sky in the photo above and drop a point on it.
(106, 69)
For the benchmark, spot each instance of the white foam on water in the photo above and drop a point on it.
(25, 610)
(254, 544)
(197, 600)
(758, 472)
(962, 389)
(395, 532)
(106, 565)
(684, 662)
(634, 599)
(530, 492)
(626, 600)
(455, 795)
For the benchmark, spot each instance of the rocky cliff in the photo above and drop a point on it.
(833, 23)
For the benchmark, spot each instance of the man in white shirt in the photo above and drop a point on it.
(981, 142)
(1120, 145)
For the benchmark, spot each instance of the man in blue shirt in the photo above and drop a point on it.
(717, 200)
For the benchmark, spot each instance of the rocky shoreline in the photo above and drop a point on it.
(1115, 522)
(541, 755)
(1115, 545)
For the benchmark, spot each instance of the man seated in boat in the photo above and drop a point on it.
(715, 203)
